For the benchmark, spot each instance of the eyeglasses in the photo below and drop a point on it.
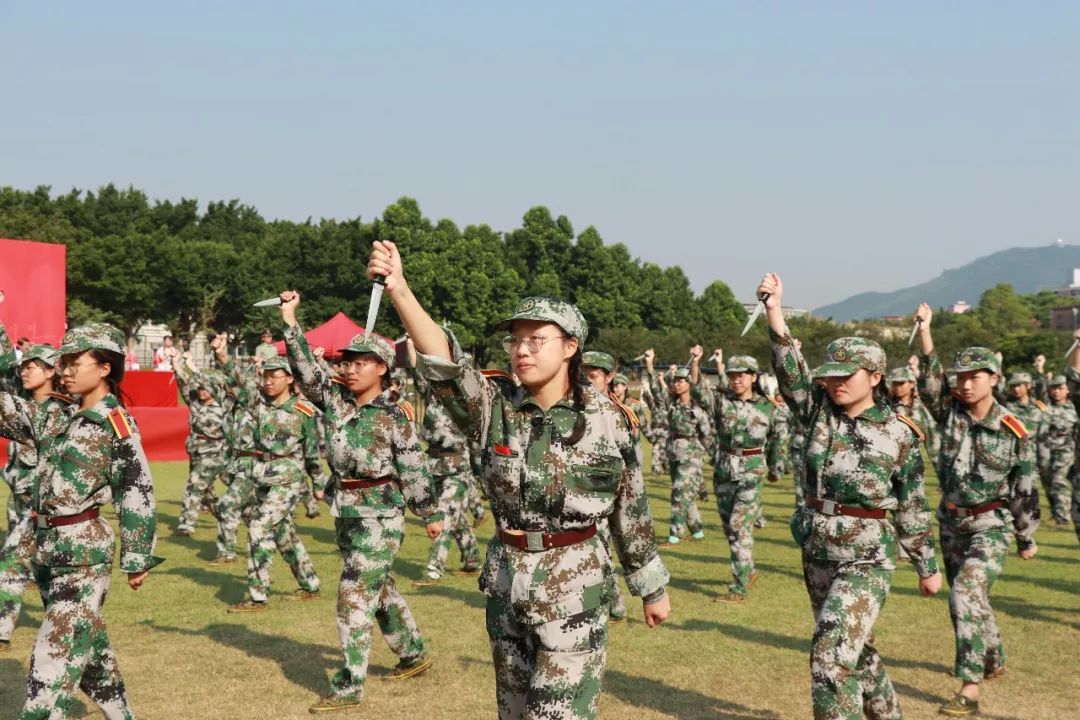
(73, 368)
(357, 365)
(532, 342)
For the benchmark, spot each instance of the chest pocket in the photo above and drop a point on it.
(598, 479)
(992, 451)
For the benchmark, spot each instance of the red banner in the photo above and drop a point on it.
(149, 388)
(33, 278)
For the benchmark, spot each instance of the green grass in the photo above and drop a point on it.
(182, 656)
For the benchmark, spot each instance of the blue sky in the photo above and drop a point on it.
(848, 146)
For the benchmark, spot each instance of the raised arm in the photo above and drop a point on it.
(792, 373)
(931, 382)
(312, 376)
(426, 334)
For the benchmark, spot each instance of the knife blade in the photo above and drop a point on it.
(269, 302)
(377, 287)
(914, 331)
(754, 315)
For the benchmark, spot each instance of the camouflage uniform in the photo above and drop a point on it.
(376, 444)
(747, 449)
(449, 465)
(554, 471)
(689, 433)
(49, 417)
(917, 411)
(286, 446)
(855, 467)
(797, 448)
(983, 461)
(1073, 378)
(96, 458)
(237, 503)
(206, 444)
(657, 433)
(1057, 454)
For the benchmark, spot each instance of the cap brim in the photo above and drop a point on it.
(972, 368)
(835, 369)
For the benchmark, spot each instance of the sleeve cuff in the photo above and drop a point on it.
(779, 339)
(649, 578)
(925, 567)
(434, 518)
(131, 562)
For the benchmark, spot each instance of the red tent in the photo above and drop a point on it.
(332, 336)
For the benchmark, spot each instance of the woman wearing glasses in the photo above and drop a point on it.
(378, 469)
(95, 458)
(557, 457)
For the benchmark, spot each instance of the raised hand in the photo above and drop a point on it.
(385, 261)
(290, 300)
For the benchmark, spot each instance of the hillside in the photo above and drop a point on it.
(1026, 269)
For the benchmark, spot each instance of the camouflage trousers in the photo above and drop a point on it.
(617, 608)
(739, 504)
(685, 477)
(1076, 504)
(972, 563)
(659, 454)
(551, 670)
(307, 498)
(236, 504)
(799, 470)
(847, 678)
(453, 494)
(1056, 483)
(16, 567)
(367, 593)
(205, 469)
(72, 650)
(272, 526)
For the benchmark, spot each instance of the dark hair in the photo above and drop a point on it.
(56, 373)
(116, 371)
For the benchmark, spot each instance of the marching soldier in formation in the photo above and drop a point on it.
(206, 443)
(1057, 454)
(689, 433)
(863, 461)
(558, 457)
(658, 427)
(989, 495)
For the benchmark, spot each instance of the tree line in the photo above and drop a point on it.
(132, 260)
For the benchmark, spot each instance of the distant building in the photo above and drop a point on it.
(1073, 288)
(789, 312)
(1065, 318)
(959, 307)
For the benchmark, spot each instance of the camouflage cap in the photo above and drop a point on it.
(845, 356)
(901, 375)
(276, 363)
(741, 363)
(1058, 380)
(1019, 378)
(680, 374)
(975, 358)
(93, 336)
(597, 359)
(552, 310)
(620, 378)
(373, 344)
(45, 354)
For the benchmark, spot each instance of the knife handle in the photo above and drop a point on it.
(763, 297)
(380, 279)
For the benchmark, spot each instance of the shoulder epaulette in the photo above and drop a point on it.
(302, 407)
(407, 408)
(1041, 405)
(913, 425)
(776, 402)
(497, 375)
(120, 423)
(1014, 424)
(66, 399)
(628, 411)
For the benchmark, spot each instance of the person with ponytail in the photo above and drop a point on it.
(91, 457)
(557, 457)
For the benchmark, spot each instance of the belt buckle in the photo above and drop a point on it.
(41, 522)
(962, 512)
(534, 541)
(828, 507)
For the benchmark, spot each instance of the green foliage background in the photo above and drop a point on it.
(133, 260)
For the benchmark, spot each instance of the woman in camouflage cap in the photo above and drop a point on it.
(94, 459)
(557, 457)
(378, 470)
(862, 461)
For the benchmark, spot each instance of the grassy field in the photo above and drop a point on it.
(182, 656)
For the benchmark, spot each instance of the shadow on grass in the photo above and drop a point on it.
(1027, 610)
(683, 704)
(765, 638)
(916, 665)
(303, 664)
(12, 694)
(230, 587)
(1061, 586)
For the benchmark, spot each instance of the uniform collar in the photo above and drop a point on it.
(992, 419)
(99, 413)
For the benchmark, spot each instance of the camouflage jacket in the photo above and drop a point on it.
(1058, 446)
(918, 412)
(285, 437)
(689, 430)
(91, 459)
(658, 428)
(48, 417)
(243, 388)
(982, 461)
(207, 421)
(642, 415)
(869, 461)
(366, 442)
(447, 449)
(739, 425)
(554, 470)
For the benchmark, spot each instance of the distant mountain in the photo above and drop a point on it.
(1028, 270)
